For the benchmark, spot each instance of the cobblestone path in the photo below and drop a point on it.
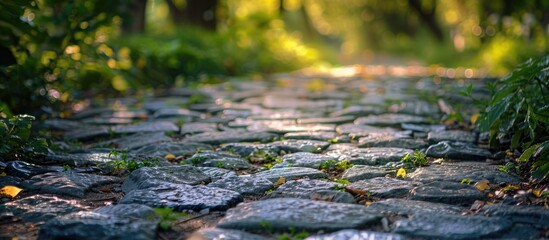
(291, 156)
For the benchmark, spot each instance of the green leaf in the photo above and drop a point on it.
(494, 113)
(527, 154)
(542, 171)
(515, 140)
(468, 91)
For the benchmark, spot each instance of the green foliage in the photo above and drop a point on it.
(519, 106)
(519, 111)
(341, 183)
(336, 165)
(293, 235)
(509, 167)
(271, 164)
(123, 164)
(16, 140)
(54, 44)
(466, 181)
(168, 217)
(195, 161)
(417, 159)
(63, 48)
(261, 156)
(194, 56)
(220, 164)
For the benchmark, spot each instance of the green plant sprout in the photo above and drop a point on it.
(417, 159)
(333, 164)
(16, 139)
(168, 217)
(466, 181)
(122, 164)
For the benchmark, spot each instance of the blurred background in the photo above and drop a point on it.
(56, 51)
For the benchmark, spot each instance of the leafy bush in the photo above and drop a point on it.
(16, 140)
(519, 112)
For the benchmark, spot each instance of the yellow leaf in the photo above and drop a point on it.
(401, 172)
(474, 118)
(169, 157)
(280, 181)
(10, 191)
(482, 185)
(536, 192)
(3, 174)
(510, 188)
(368, 203)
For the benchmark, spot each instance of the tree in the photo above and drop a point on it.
(428, 17)
(202, 13)
(134, 20)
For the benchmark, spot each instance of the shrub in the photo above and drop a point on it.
(519, 111)
(16, 140)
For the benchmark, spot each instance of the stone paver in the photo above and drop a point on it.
(357, 235)
(146, 176)
(447, 192)
(436, 226)
(67, 183)
(382, 187)
(183, 197)
(455, 172)
(291, 173)
(458, 151)
(255, 152)
(413, 207)
(312, 189)
(370, 156)
(40, 208)
(245, 185)
(112, 222)
(279, 214)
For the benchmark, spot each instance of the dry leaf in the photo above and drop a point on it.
(474, 118)
(169, 157)
(3, 174)
(510, 188)
(438, 161)
(401, 173)
(10, 191)
(536, 192)
(280, 181)
(482, 185)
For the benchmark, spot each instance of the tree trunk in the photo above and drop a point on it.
(281, 8)
(428, 17)
(202, 13)
(135, 20)
(177, 14)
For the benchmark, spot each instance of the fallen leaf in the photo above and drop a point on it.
(438, 161)
(474, 118)
(401, 173)
(368, 203)
(482, 185)
(510, 188)
(169, 157)
(280, 181)
(10, 191)
(536, 192)
(3, 174)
